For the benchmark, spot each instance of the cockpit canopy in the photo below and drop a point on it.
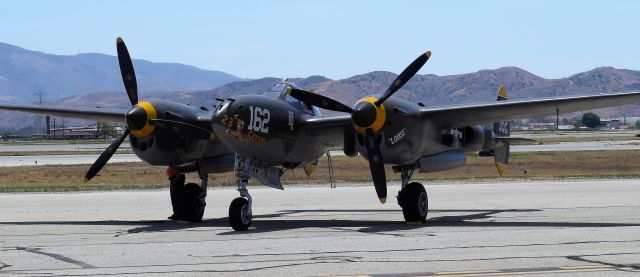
(279, 90)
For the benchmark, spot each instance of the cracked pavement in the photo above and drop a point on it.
(473, 229)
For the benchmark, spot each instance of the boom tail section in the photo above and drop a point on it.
(498, 140)
(502, 130)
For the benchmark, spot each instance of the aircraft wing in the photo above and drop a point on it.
(328, 130)
(467, 115)
(98, 114)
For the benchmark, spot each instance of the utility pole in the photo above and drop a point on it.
(557, 118)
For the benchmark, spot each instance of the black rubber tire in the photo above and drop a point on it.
(192, 203)
(414, 202)
(236, 213)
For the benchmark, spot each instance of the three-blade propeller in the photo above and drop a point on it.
(130, 84)
(368, 117)
(142, 117)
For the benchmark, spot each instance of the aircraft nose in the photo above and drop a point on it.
(136, 118)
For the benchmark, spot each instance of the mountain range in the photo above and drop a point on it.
(101, 85)
(24, 72)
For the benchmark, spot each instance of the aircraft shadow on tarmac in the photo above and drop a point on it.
(291, 219)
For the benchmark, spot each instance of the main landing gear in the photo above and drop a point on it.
(240, 209)
(412, 197)
(188, 200)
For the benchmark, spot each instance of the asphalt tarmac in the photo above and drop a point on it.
(579, 227)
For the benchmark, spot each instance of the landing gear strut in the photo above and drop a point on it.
(240, 212)
(412, 197)
(188, 200)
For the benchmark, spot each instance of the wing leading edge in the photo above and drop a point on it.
(98, 114)
(467, 115)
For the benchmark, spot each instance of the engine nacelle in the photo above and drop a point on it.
(167, 146)
(473, 138)
(442, 161)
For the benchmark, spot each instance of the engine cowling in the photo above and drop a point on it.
(401, 134)
(161, 145)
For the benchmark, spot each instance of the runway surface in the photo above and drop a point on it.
(63, 159)
(67, 147)
(581, 227)
(579, 146)
(571, 133)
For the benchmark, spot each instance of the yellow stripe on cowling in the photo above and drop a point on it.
(502, 168)
(151, 114)
(381, 116)
(502, 92)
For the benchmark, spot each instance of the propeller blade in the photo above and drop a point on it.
(318, 100)
(376, 165)
(104, 157)
(405, 76)
(185, 128)
(126, 69)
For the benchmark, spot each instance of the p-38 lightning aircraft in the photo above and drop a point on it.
(260, 136)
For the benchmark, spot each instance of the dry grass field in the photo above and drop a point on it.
(595, 164)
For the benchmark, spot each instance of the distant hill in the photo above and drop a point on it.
(24, 72)
(429, 89)
(434, 90)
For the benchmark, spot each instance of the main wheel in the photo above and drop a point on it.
(414, 202)
(192, 204)
(239, 214)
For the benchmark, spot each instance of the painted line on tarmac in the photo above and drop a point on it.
(517, 271)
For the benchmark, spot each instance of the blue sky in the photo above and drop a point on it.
(338, 39)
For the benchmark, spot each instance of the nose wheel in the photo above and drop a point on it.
(240, 214)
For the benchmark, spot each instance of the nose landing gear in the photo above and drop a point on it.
(240, 212)
(240, 209)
